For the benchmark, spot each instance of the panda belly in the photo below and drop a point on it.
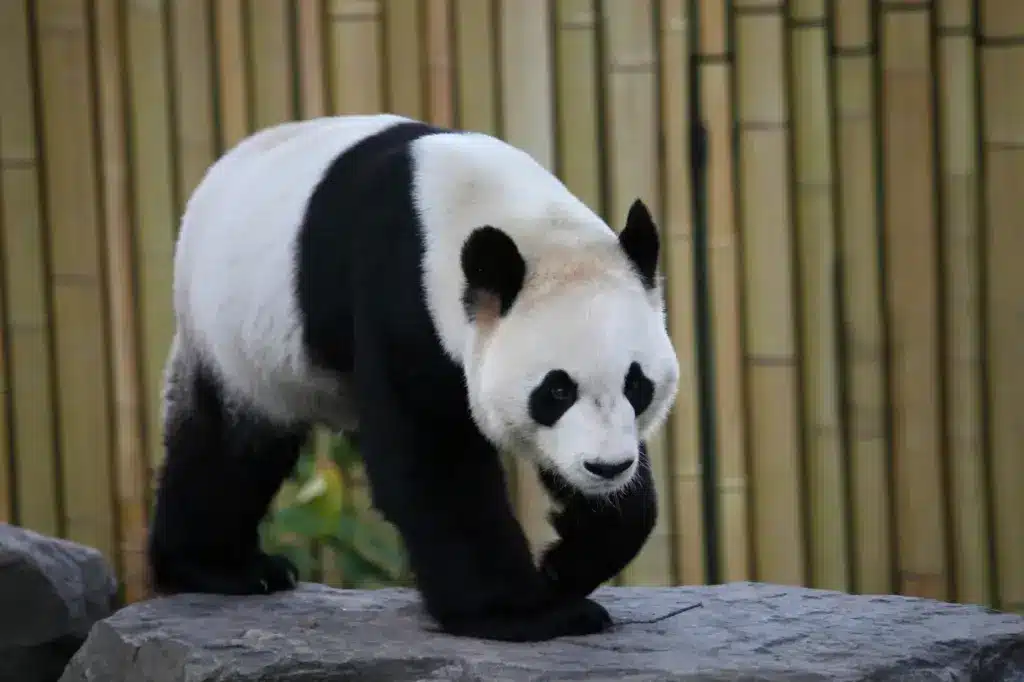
(235, 270)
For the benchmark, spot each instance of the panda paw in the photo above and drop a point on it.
(262, 574)
(274, 573)
(568, 618)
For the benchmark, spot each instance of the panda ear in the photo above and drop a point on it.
(639, 239)
(494, 271)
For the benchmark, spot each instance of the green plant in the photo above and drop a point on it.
(318, 508)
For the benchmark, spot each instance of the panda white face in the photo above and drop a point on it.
(576, 378)
(568, 361)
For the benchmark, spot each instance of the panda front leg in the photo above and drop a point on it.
(221, 470)
(443, 487)
(597, 537)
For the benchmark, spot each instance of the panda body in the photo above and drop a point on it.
(442, 294)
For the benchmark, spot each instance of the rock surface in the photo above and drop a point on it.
(51, 593)
(741, 631)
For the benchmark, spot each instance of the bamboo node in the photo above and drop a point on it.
(732, 485)
(579, 20)
(355, 10)
(17, 163)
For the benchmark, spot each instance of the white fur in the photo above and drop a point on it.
(235, 263)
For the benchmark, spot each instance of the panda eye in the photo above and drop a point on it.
(638, 389)
(560, 393)
(552, 397)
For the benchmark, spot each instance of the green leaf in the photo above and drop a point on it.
(343, 453)
(358, 569)
(302, 520)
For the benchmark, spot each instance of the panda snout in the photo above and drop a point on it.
(608, 469)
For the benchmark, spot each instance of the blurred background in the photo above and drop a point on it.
(839, 187)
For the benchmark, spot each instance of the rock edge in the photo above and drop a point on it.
(738, 631)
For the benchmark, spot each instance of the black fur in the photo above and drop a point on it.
(638, 388)
(492, 264)
(639, 239)
(552, 397)
(597, 538)
(431, 472)
(222, 470)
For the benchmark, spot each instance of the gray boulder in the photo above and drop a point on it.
(741, 631)
(51, 592)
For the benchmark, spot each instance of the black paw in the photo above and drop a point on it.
(262, 574)
(568, 618)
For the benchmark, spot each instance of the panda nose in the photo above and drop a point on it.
(607, 469)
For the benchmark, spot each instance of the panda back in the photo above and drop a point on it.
(235, 260)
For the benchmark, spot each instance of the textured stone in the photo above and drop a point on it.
(51, 592)
(741, 631)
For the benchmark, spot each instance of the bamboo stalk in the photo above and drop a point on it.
(77, 274)
(771, 358)
(232, 84)
(816, 231)
(355, 49)
(631, 113)
(1002, 18)
(527, 105)
(913, 317)
(579, 139)
(151, 169)
(687, 473)
(440, 106)
(955, 14)
(270, 63)
(195, 136)
(130, 455)
(406, 57)
(312, 74)
(29, 340)
(716, 75)
(1003, 138)
(962, 363)
(863, 333)
(7, 511)
(476, 58)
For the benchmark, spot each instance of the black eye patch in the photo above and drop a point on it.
(552, 397)
(638, 389)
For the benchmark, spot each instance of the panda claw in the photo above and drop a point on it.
(276, 573)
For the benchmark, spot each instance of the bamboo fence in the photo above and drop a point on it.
(843, 281)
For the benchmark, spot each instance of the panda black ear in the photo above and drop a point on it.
(494, 270)
(639, 239)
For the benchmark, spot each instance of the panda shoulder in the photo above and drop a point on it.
(476, 178)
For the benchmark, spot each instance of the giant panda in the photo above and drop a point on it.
(443, 297)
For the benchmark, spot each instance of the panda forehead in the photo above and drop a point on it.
(593, 339)
(604, 303)
(576, 271)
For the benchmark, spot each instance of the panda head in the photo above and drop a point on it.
(569, 362)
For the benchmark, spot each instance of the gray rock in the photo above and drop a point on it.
(741, 631)
(51, 593)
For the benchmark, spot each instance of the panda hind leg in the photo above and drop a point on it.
(221, 471)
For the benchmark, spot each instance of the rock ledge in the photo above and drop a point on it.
(51, 592)
(739, 631)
